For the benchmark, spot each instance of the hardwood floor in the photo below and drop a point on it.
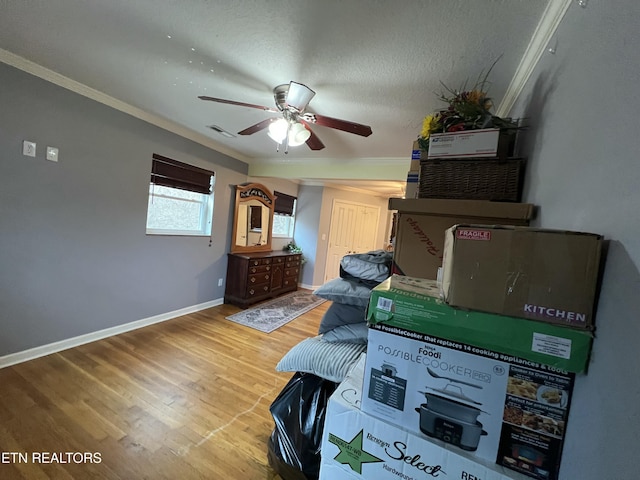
(185, 399)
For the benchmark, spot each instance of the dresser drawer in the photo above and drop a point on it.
(259, 269)
(277, 260)
(254, 262)
(292, 263)
(258, 278)
(257, 290)
(292, 272)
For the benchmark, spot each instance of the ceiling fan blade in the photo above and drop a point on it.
(344, 125)
(257, 127)
(299, 96)
(313, 142)
(240, 104)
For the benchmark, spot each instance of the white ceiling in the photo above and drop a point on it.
(376, 62)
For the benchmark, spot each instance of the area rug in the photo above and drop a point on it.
(271, 315)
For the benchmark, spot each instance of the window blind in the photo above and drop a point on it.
(172, 173)
(284, 204)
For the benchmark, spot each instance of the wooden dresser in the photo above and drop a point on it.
(252, 277)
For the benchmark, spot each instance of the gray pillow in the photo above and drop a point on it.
(344, 291)
(339, 314)
(374, 266)
(356, 333)
(331, 361)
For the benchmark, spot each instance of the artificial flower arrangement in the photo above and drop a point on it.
(291, 247)
(468, 109)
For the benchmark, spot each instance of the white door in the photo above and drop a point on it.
(341, 232)
(353, 229)
(366, 228)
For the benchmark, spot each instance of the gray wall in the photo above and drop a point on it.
(306, 232)
(584, 173)
(74, 256)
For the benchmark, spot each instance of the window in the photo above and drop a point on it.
(284, 215)
(180, 198)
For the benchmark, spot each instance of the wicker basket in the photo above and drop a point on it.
(472, 179)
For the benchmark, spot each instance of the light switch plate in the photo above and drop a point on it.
(52, 154)
(29, 148)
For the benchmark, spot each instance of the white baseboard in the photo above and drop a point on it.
(308, 287)
(55, 347)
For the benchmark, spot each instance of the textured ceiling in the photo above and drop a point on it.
(377, 62)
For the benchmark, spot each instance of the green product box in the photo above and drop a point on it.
(413, 305)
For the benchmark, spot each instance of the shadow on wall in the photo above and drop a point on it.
(533, 118)
(611, 377)
(619, 301)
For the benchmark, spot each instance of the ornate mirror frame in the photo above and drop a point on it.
(252, 194)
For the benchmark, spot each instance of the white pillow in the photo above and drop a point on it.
(331, 361)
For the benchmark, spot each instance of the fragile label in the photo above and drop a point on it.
(550, 345)
(466, 234)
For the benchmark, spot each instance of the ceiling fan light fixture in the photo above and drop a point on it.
(298, 134)
(299, 95)
(278, 130)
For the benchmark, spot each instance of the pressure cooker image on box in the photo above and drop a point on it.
(450, 415)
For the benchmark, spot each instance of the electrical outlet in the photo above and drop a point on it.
(29, 148)
(220, 280)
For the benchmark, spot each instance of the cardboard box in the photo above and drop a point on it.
(421, 225)
(411, 190)
(356, 446)
(466, 144)
(416, 155)
(419, 347)
(544, 275)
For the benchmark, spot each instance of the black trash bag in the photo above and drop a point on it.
(298, 413)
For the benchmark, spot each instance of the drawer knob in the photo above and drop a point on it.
(253, 280)
(252, 291)
(268, 268)
(266, 277)
(266, 288)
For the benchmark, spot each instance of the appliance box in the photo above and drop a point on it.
(421, 226)
(356, 446)
(544, 275)
(464, 144)
(413, 304)
(492, 402)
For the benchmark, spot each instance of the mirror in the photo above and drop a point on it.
(253, 218)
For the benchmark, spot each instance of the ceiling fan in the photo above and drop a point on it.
(293, 127)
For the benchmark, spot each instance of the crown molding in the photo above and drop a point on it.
(39, 71)
(546, 29)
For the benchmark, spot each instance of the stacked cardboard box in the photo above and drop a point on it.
(421, 225)
(539, 274)
(357, 446)
(497, 386)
